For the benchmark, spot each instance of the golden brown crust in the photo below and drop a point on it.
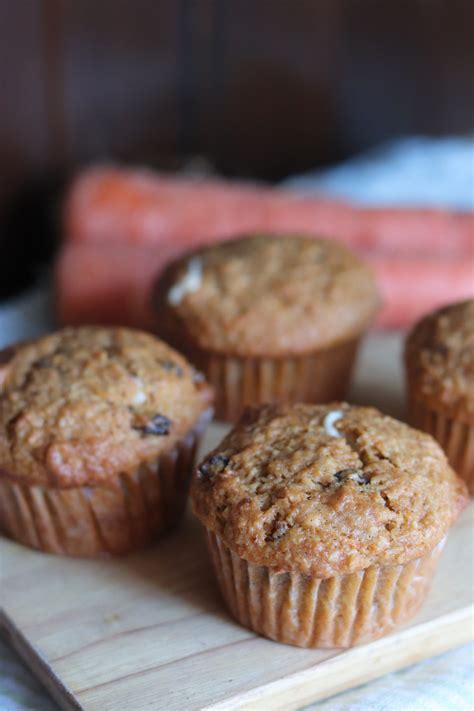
(80, 406)
(282, 491)
(267, 295)
(439, 357)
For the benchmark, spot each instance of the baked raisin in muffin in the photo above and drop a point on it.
(268, 317)
(439, 359)
(98, 429)
(325, 522)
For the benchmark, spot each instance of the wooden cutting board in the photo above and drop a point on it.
(150, 630)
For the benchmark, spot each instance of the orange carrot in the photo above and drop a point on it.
(412, 287)
(124, 206)
(96, 283)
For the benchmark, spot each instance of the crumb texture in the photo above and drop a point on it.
(440, 359)
(82, 405)
(283, 491)
(269, 295)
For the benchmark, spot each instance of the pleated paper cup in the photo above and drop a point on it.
(454, 435)
(306, 611)
(126, 514)
(318, 377)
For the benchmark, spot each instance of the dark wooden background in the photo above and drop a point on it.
(261, 87)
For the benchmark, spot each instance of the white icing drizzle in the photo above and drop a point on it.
(329, 421)
(190, 282)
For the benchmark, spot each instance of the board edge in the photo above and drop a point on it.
(301, 688)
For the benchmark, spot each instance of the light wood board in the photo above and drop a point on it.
(150, 631)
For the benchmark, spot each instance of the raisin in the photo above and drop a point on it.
(172, 366)
(44, 362)
(278, 529)
(112, 351)
(352, 474)
(214, 465)
(158, 425)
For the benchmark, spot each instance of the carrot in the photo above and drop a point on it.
(122, 226)
(97, 283)
(124, 206)
(412, 287)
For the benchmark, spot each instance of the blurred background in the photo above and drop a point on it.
(260, 88)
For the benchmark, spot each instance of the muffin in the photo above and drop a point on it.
(439, 360)
(268, 317)
(325, 522)
(98, 430)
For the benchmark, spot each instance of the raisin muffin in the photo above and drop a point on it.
(268, 317)
(98, 429)
(325, 522)
(439, 359)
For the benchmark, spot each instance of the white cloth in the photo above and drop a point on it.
(26, 316)
(19, 689)
(415, 171)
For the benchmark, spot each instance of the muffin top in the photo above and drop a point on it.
(326, 489)
(269, 295)
(440, 359)
(82, 405)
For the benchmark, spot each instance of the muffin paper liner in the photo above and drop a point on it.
(307, 611)
(454, 436)
(321, 376)
(125, 515)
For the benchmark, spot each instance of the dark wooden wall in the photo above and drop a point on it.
(261, 87)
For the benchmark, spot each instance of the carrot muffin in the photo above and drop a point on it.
(325, 522)
(439, 359)
(98, 429)
(268, 317)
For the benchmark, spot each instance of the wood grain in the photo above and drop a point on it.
(263, 88)
(150, 630)
(121, 79)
